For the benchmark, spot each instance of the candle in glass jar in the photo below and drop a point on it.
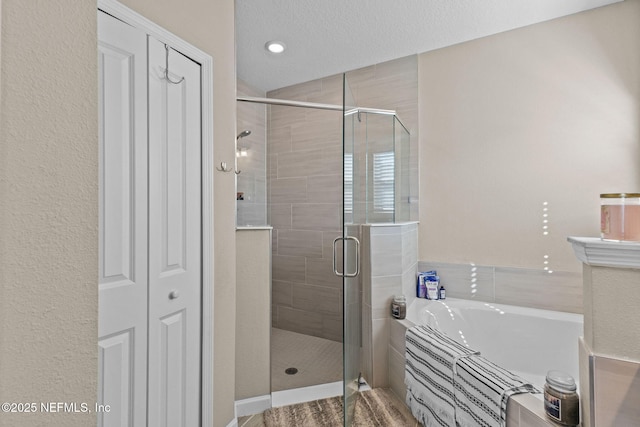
(620, 216)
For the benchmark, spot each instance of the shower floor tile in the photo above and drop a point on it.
(317, 360)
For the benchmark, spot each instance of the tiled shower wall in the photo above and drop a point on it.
(393, 85)
(252, 179)
(304, 184)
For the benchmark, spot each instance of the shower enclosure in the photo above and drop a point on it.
(376, 189)
(327, 169)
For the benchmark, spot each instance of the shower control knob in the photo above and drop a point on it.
(174, 294)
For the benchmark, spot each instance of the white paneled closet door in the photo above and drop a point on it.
(150, 287)
(123, 274)
(174, 238)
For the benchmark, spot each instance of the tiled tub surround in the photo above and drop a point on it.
(523, 410)
(557, 291)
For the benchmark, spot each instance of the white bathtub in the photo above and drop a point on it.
(527, 341)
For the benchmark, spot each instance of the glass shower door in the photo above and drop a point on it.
(350, 259)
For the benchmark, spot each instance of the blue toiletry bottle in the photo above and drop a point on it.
(441, 293)
(421, 291)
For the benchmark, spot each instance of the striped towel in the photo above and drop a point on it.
(450, 385)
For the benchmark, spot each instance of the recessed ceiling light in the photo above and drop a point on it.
(275, 47)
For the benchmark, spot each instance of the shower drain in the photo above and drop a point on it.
(291, 371)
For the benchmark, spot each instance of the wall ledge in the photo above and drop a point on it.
(595, 251)
(391, 224)
(253, 227)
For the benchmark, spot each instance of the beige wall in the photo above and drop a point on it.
(49, 194)
(49, 205)
(548, 113)
(253, 313)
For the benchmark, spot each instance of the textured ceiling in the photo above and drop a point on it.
(326, 37)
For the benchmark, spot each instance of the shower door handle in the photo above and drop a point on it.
(335, 268)
(355, 273)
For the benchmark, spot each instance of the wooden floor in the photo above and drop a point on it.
(251, 421)
(257, 420)
(318, 361)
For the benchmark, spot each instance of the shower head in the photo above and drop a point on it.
(243, 134)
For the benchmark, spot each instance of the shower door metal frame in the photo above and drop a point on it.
(318, 106)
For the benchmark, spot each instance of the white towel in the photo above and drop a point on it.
(450, 385)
